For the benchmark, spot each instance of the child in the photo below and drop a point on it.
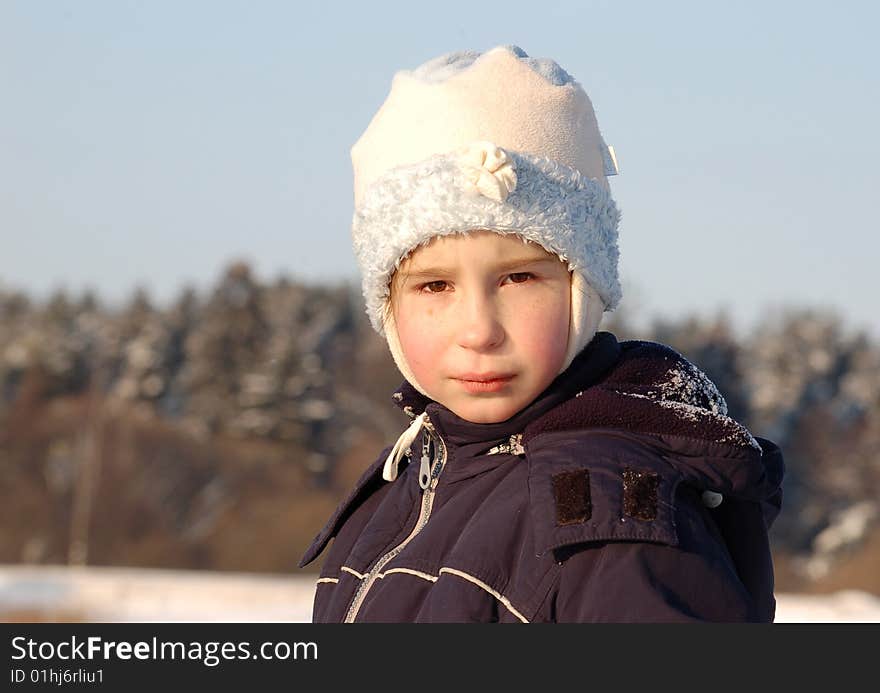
(550, 472)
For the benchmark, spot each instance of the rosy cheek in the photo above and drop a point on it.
(417, 348)
(555, 329)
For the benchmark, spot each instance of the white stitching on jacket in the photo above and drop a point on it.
(409, 571)
(501, 598)
(359, 576)
(433, 578)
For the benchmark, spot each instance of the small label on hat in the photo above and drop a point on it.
(609, 159)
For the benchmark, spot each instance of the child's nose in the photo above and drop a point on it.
(480, 326)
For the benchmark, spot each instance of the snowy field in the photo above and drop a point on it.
(46, 593)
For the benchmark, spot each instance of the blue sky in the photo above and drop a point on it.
(149, 144)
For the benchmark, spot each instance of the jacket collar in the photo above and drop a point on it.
(652, 390)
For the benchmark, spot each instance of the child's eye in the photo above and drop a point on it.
(520, 277)
(434, 287)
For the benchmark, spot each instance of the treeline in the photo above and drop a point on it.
(220, 431)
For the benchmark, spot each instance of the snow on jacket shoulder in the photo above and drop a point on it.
(623, 493)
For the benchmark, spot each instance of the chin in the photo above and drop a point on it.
(486, 413)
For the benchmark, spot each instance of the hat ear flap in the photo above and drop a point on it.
(390, 328)
(587, 309)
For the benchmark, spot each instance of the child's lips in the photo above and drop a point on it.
(484, 382)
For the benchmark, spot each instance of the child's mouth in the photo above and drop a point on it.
(487, 383)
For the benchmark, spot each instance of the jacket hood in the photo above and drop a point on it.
(652, 389)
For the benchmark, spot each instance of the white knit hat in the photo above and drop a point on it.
(496, 141)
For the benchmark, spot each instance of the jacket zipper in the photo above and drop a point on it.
(427, 503)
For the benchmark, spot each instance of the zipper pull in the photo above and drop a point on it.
(389, 470)
(425, 468)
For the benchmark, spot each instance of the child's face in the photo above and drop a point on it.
(482, 321)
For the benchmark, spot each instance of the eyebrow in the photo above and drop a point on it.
(512, 264)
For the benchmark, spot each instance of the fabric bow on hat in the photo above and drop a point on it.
(489, 169)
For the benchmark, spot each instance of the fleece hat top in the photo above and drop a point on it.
(496, 141)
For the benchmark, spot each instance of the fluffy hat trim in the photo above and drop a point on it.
(553, 205)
